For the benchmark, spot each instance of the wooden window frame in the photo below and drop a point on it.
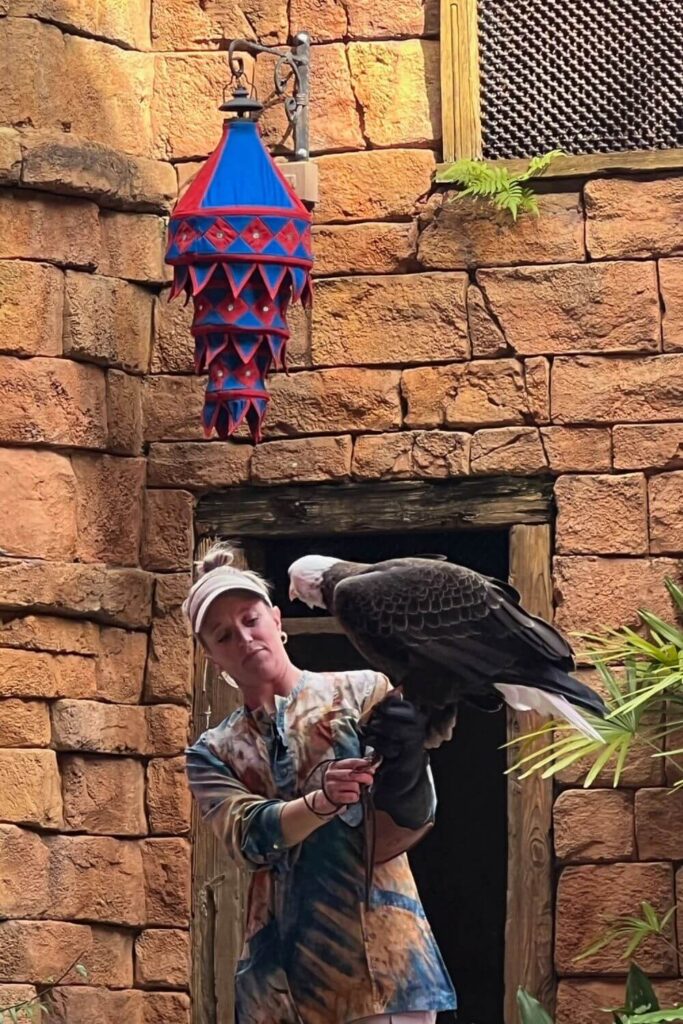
(461, 109)
(521, 505)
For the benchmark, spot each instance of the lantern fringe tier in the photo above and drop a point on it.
(239, 243)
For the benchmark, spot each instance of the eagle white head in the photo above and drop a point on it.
(306, 579)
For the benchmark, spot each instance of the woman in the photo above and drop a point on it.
(315, 953)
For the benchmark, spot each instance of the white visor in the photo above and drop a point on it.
(210, 586)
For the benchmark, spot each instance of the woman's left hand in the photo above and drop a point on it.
(343, 781)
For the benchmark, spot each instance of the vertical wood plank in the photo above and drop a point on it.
(460, 95)
(529, 926)
(218, 889)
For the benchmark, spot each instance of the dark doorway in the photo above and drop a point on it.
(461, 866)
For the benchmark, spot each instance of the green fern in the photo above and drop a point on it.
(495, 184)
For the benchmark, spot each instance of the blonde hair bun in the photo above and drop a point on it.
(219, 554)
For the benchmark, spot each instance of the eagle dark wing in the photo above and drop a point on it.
(444, 628)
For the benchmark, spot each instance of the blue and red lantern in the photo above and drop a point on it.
(240, 246)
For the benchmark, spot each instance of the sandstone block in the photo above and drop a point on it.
(117, 596)
(36, 100)
(162, 958)
(110, 493)
(440, 454)
(52, 401)
(665, 493)
(169, 803)
(486, 392)
(110, 97)
(577, 449)
(88, 725)
(598, 389)
(375, 248)
(486, 337)
(34, 674)
(199, 466)
(594, 593)
(121, 661)
(29, 788)
(397, 87)
(593, 826)
(186, 122)
(462, 233)
(173, 344)
(172, 408)
(167, 876)
(633, 218)
(62, 231)
(124, 413)
(40, 950)
(24, 723)
(335, 120)
(107, 320)
(373, 185)
(333, 402)
(588, 896)
(133, 247)
(103, 795)
(331, 19)
(508, 450)
(537, 384)
(175, 26)
(603, 515)
(47, 633)
(396, 319)
(302, 461)
(168, 730)
(659, 817)
(118, 23)
(168, 534)
(10, 995)
(166, 1008)
(171, 656)
(81, 1005)
(671, 284)
(37, 504)
(24, 878)
(648, 446)
(600, 307)
(119, 729)
(96, 878)
(31, 308)
(56, 161)
(410, 454)
(10, 156)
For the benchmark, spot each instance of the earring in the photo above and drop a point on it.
(284, 638)
(229, 680)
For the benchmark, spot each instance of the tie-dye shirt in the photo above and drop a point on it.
(314, 952)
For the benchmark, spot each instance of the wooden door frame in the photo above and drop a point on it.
(521, 505)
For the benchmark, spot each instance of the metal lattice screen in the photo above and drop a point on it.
(585, 76)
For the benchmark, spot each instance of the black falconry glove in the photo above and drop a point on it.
(396, 730)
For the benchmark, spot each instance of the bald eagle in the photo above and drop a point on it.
(446, 634)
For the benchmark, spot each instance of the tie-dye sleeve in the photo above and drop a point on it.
(248, 825)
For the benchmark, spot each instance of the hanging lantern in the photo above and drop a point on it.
(240, 246)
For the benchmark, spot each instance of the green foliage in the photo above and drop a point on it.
(643, 680)
(641, 1005)
(634, 930)
(495, 184)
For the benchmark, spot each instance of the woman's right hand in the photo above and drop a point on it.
(342, 783)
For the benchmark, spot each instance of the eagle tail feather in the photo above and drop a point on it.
(526, 698)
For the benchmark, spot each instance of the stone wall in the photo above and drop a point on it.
(443, 342)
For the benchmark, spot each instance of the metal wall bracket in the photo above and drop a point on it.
(291, 70)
